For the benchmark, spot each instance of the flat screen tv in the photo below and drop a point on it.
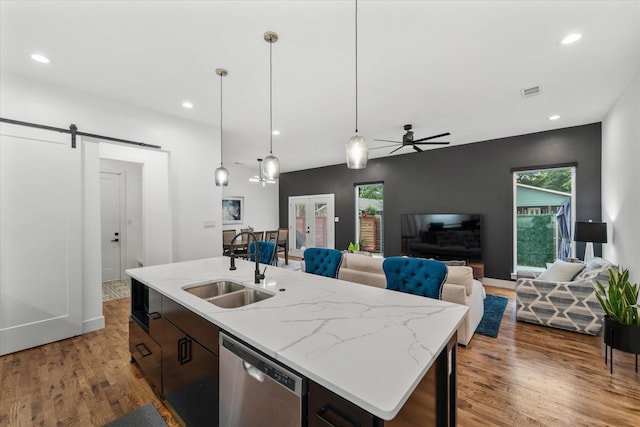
(442, 236)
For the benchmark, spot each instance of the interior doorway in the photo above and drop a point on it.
(121, 219)
(311, 222)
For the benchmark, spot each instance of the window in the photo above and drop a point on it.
(369, 217)
(543, 216)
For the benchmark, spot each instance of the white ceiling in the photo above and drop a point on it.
(454, 66)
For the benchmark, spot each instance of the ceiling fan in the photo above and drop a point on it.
(260, 178)
(407, 140)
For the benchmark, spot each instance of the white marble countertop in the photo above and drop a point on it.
(369, 345)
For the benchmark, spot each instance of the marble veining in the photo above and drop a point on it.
(372, 346)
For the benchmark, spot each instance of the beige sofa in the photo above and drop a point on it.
(459, 288)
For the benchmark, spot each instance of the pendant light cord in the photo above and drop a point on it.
(270, 96)
(221, 119)
(356, 66)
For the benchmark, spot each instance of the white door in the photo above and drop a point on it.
(110, 219)
(40, 237)
(311, 223)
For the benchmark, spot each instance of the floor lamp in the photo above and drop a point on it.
(590, 233)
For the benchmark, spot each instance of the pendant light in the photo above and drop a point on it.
(222, 174)
(260, 177)
(356, 148)
(271, 164)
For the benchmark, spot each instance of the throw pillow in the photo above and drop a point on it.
(459, 275)
(561, 271)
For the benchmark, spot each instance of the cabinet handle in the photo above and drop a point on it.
(184, 350)
(146, 352)
(154, 315)
(331, 416)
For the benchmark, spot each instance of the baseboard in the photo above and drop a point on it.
(498, 283)
(93, 324)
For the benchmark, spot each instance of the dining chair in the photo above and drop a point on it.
(283, 244)
(418, 276)
(266, 249)
(227, 236)
(322, 261)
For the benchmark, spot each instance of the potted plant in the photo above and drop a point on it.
(353, 247)
(622, 317)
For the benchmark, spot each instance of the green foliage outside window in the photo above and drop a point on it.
(536, 240)
(554, 179)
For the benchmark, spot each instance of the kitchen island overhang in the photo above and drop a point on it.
(368, 345)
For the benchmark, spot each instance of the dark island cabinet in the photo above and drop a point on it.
(177, 350)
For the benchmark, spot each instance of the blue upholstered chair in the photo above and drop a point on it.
(322, 261)
(418, 276)
(267, 251)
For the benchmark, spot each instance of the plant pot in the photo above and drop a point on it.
(621, 336)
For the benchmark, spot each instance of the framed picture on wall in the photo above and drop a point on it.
(232, 210)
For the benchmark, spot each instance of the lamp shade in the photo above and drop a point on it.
(271, 167)
(357, 152)
(595, 232)
(222, 176)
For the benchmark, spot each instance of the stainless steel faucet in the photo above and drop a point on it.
(257, 275)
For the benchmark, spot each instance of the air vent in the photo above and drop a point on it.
(530, 91)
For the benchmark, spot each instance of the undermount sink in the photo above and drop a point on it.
(240, 298)
(227, 294)
(214, 289)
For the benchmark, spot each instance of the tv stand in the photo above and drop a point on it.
(478, 270)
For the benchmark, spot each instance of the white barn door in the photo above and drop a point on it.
(40, 237)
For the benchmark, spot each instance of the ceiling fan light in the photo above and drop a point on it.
(357, 152)
(271, 167)
(222, 177)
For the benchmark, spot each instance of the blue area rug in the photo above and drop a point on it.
(493, 310)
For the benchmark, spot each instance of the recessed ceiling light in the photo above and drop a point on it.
(40, 58)
(571, 38)
(187, 105)
(554, 117)
(276, 132)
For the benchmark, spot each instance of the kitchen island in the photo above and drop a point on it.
(370, 346)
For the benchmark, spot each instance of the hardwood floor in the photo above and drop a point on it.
(529, 375)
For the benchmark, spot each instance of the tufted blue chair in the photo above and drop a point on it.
(266, 249)
(418, 276)
(322, 261)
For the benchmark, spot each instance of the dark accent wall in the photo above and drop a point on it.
(469, 178)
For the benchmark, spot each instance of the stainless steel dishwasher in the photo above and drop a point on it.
(256, 391)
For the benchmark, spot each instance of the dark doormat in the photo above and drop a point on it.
(493, 310)
(146, 416)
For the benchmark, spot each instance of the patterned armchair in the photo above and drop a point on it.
(565, 305)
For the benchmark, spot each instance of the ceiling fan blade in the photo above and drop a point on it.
(396, 149)
(383, 146)
(433, 143)
(388, 140)
(432, 137)
(418, 149)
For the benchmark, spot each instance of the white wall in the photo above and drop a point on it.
(194, 150)
(620, 178)
(260, 203)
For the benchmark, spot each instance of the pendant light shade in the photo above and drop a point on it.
(271, 167)
(357, 152)
(356, 148)
(221, 174)
(271, 164)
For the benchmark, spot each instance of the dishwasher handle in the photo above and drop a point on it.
(252, 371)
